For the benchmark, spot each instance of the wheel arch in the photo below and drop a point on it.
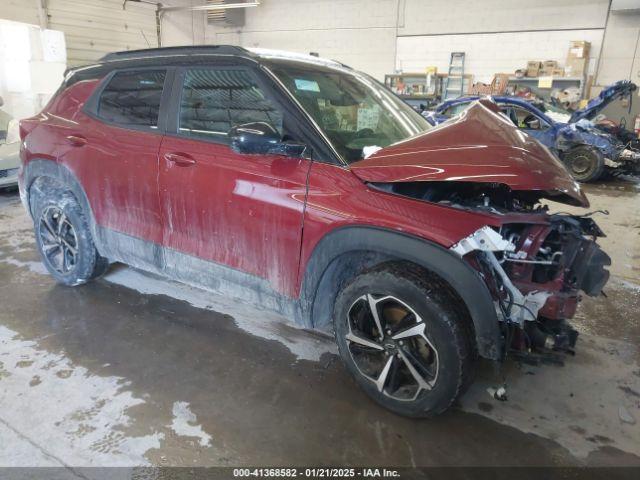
(346, 251)
(41, 174)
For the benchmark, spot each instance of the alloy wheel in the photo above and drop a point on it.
(387, 342)
(58, 240)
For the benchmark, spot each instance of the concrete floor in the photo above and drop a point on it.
(137, 370)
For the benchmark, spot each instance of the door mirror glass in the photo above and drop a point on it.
(260, 138)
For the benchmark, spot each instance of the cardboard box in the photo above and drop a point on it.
(557, 72)
(533, 68)
(576, 67)
(578, 49)
(548, 67)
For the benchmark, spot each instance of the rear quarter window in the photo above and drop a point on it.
(132, 98)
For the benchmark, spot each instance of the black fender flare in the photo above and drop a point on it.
(49, 169)
(389, 244)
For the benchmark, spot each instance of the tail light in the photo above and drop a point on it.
(26, 126)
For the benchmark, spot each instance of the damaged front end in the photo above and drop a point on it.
(536, 264)
(536, 273)
(619, 158)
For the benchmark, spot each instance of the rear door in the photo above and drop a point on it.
(114, 152)
(240, 211)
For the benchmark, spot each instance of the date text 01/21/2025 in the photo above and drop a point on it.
(316, 473)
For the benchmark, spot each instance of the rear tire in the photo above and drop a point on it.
(64, 239)
(418, 356)
(585, 163)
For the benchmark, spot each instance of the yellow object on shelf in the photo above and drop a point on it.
(545, 82)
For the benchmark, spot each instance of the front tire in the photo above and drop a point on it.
(585, 163)
(403, 337)
(64, 239)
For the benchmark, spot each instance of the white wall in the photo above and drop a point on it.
(621, 50)
(32, 63)
(379, 36)
(24, 11)
(498, 36)
(95, 27)
(468, 16)
(372, 35)
(183, 27)
(360, 33)
(490, 53)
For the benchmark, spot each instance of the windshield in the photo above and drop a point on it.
(355, 112)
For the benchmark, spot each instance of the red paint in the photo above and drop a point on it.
(337, 198)
(243, 211)
(479, 145)
(118, 169)
(249, 212)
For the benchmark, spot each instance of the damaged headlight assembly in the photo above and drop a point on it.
(535, 273)
(488, 242)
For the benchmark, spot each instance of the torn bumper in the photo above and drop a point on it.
(537, 272)
(628, 161)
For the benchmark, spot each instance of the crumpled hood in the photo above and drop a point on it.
(620, 89)
(479, 145)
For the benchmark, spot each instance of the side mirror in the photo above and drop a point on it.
(260, 138)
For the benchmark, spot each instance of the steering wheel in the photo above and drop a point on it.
(363, 138)
(532, 122)
(365, 133)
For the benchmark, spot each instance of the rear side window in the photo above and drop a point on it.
(214, 100)
(133, 98)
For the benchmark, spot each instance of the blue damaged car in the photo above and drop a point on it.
(587, 149)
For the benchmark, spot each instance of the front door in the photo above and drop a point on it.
(240, 211)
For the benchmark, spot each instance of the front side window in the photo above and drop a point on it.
(215, 100)
(523, 118)
(353, 110)
(133, 98)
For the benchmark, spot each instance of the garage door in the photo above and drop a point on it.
(95, 27)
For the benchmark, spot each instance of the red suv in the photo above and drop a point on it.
(306, 187)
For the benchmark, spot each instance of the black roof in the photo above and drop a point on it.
(183, 55)
(165, 52)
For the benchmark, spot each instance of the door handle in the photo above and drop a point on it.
(180, 159)
(77, 140)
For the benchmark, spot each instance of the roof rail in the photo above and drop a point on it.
(282, 54)
(183, 50)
